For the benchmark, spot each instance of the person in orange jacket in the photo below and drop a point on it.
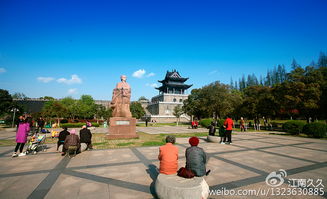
(228, 125)
(168, 156)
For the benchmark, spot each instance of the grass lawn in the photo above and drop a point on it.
(162, 124)
(100, 142)
(10, 142)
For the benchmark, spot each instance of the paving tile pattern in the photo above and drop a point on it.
(131, 172)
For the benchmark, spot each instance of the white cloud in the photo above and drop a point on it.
(139, 73)
(150, 75)
(74, 80)
(142, 73)
(45, 79)
(2, 70)
(152, 85)
(72, 91)
(212, 72)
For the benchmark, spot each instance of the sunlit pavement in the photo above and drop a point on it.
(130, 172)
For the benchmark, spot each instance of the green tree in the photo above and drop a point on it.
(102, 112)
(193, 105)
(6, 102)
(178, 111)
(137, 110)
(258, 102)
(322, 61)
(54, 109)
(71, 107)
(47, 98)
(19, 96)
(215, 99)
(86, 106)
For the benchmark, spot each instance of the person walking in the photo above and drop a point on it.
(40, 124)
(21, 137)
(228, 124)
(242, 124)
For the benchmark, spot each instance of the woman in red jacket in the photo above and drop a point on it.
(228, 125)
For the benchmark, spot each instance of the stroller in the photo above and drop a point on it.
(36, 144)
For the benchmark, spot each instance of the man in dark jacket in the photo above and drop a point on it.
(86, 137)
(62, 136)
(40, 124)
(196, 158)
(212, 129)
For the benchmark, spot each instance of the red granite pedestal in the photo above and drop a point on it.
(122, 127)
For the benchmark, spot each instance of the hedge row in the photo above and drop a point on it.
(206, 122)
(315, 129)
(78, 125)
(293, 127)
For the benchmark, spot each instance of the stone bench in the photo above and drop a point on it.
(60, 148)
(173, 186)
(211, 138)
(83, 147)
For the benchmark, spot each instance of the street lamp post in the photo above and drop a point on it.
(13, 118)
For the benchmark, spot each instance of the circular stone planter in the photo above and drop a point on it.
(83, 147)
(211, 138)
(173, 186)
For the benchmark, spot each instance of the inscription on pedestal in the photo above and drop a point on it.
(122, 122)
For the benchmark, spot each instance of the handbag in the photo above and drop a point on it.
(185, 173)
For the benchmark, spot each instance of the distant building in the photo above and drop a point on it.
(34, 105)
(31, 105)
(171, 94)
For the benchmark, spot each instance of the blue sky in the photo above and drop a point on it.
(69, 48)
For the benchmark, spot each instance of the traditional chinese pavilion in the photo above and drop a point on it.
(173, 83)
(172, 93)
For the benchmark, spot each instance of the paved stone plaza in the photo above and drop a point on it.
(131, 172)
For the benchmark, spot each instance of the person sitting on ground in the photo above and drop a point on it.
(168, 156)
(88, 124)
(195, 124)
(86, 137)
(196, 158)
(71, 140)
(62, 136)
(212, 128)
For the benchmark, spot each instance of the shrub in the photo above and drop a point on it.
(293, 127)
(316, 130)
(220, 122)
(63, 121)
(205, 122)
(77, 125)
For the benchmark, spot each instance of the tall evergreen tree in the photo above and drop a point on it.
(294, 64)
(231, 84)
(322, 61)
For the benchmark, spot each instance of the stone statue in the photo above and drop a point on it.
(121, 99)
